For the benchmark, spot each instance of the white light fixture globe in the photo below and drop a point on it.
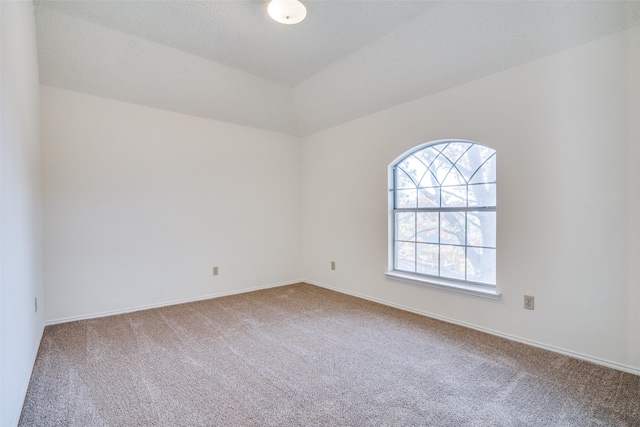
(287, 11)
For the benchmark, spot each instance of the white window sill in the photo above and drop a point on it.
(479, 291)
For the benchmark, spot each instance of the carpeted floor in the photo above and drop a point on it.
(301, 355)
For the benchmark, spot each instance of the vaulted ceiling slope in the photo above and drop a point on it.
(226, 60)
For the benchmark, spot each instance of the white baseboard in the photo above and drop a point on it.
(165, 304)
(25, 385)
(554, 349)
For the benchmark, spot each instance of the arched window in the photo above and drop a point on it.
(443, 222)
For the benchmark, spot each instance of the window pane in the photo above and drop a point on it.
(454, 196)
(481, 265)
(485, 152)
(440, 168)
(482, 195)
(428, 227)
(403, 180)
(487, 173)
(406, 226)
(406, 198)
(454, 177)
(455, 149)
(427, 259)
(429, 197)
(452, 262)
(405, 256)
(429, 180)
(452, 228)
(469, 162)
(413, 167)
(481, 229)
(426, 155)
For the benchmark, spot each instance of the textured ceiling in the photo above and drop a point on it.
(240, 34)
(227, 60)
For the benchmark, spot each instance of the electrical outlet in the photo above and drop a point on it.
(35, 303)
(529, 302)
(333, 265)
(215, 271)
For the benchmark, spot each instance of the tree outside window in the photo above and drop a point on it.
(444, 209)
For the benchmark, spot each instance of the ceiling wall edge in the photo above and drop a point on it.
(405, 65)
(402, 67)
(111, 64)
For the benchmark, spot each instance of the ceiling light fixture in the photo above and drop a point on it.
(287, 11)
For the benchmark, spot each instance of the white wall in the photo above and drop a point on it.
(560, 126)
(20, 207)
(140, 204)
(633, 38)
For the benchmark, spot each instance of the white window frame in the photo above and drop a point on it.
(459, 286)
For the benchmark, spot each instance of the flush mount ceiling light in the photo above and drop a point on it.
(287, 11)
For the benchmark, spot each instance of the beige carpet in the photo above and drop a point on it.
(301, 355)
